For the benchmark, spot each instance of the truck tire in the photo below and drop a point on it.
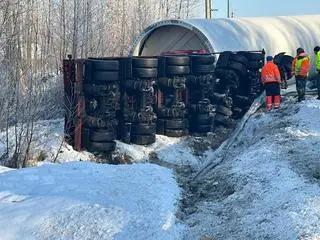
(239, 58)
(203, 59)
(143, 139)
(143, 129)
(233, 83)
(177, 60)
(102, 146)
(144, 62)
(175, 123)
(221, 72)
(223, 59)
(94, 122)
(177, 70)
(102, 135)
(144, 72)
(254, 65)
(238, 67)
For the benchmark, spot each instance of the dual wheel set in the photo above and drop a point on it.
(200, 86)
(171, 87)
(101, 91)
(137, 118)
(185, 88)
(238, 84)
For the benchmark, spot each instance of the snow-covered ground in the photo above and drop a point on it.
(82, 200)
(47, 140)
(267, 187)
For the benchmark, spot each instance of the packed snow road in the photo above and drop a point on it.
(266, 187)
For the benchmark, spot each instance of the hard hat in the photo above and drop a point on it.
(269, 58)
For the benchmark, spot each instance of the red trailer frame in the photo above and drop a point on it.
(74, 101)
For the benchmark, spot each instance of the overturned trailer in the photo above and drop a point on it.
(182, 76)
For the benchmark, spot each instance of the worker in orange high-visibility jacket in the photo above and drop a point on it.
(271, 79)
(300, 69)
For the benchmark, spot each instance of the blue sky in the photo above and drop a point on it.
(256, 8)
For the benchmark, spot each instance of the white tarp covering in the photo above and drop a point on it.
(274, 34)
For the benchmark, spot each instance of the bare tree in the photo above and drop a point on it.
(35, 35)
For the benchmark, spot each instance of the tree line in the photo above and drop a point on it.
(35, 35)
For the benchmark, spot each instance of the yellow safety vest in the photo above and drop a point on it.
(298, 67)
(318, 61)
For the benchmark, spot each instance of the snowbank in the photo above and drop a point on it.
(82, 200)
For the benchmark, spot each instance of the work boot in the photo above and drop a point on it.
(269, 102)
(299, 99)
(277, 101)
(299, 96)
(303, 95)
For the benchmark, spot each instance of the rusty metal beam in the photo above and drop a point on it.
(80, 104)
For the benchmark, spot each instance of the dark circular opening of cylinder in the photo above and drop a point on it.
(170, 38)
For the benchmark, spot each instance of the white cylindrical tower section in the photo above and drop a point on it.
(274, 34)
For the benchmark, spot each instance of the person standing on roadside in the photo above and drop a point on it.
(270, 77)
(300, 69)
(317, 62)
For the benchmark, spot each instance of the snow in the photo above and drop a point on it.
(48, 136)
(82, 200)
(267, 187)
(308, 118)
(171, 150)
(271, 172)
